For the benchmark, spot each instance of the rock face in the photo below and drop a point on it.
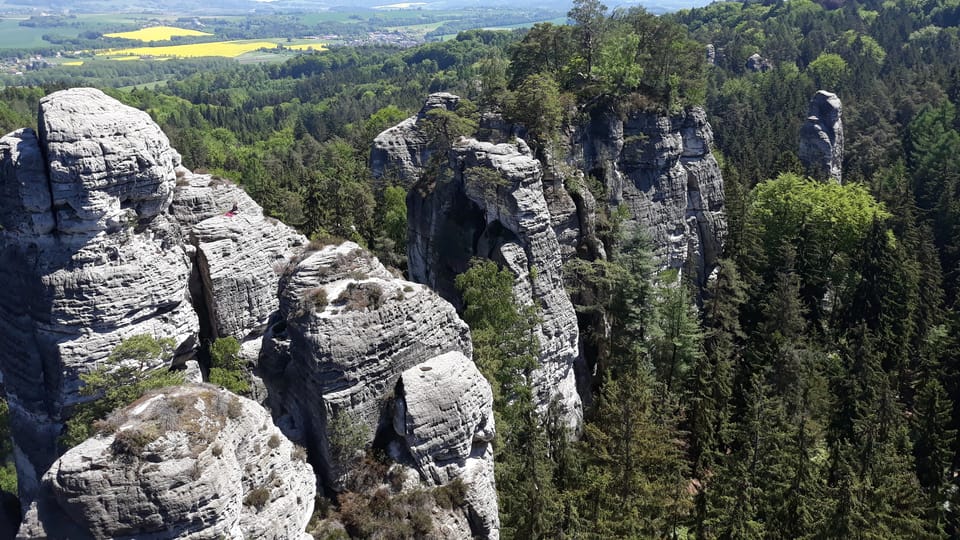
(444, 412)
(404, 149)
(347, 329)
(187, 462)
(494, 208)
(346, 333)
(758, 64)
(532, 213)
(821, 138)
(238, 256)
(661, 168)
(88, 255)
(104, 236)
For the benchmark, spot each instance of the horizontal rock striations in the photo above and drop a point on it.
(404, 149)
(444, 412)
(89, 256)
(347, 329)
(187, 462)
(104, 236)
(494, 208)
(238, 256)
(821, 138)
(661, 169)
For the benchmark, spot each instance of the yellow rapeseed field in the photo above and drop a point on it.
(157, 33)
(306, 47)
(229, 49)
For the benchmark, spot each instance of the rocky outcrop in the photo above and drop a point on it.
(106, 236)
(444, 413)
(187, 462)
(239, 254)
(494, 208)
(821, 138)
(661, 169)
(758, 64)
(347, 331)
(347, 328)
(89, 257)
(404, 149)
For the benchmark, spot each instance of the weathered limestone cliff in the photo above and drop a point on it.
(821, 138)
(187, 462)
(238, 254)
(444, 413)
(532, 212)
(660, 167)
(104, 236)
(347, 331)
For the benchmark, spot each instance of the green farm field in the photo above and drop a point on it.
(14, 36)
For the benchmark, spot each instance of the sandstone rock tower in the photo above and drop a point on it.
(821, 138)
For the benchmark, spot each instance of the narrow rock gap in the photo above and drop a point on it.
(42, 143)
(201, 298)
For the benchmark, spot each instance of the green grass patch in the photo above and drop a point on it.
(14, 36)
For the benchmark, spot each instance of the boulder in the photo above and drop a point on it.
(108, 165)
(444, 412)
(758, 64)
(346, 330)
(240, 255)
(186, 462)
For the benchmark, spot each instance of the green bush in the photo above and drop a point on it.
(347, 437)
(226, 366)
(8, 473)
(122, 379)
(234, 381)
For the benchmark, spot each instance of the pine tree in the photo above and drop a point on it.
(506, 349)
(634, 475)
(711, 383)
(746, 476)
(874, 488)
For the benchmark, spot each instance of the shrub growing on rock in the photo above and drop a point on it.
(129, 372)
(347, 437)
(316, 298)
(258, 498)
(360, 296)
(131, 442)
(226, 366)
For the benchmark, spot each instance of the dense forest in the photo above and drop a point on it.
(811, 390)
